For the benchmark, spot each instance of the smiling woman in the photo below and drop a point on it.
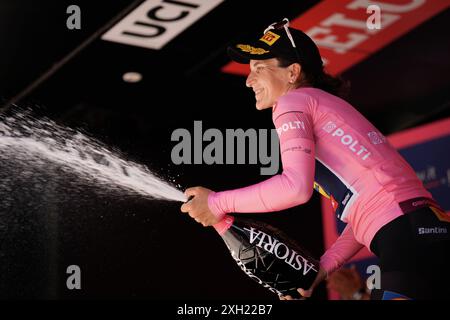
(269, 81)
(79, 79)
(370, 186)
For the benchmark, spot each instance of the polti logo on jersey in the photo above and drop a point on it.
(290, 125)
(347, 140)
(329, 127)
(270, 38)
(376, 137)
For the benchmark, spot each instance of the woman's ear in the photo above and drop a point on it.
(294, 72)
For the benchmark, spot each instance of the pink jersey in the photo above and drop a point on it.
(327, 145)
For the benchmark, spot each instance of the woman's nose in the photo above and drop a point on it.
(250, 80)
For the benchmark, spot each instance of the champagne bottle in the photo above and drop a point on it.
(267, 256)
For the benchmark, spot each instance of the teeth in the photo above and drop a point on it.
(258, 91)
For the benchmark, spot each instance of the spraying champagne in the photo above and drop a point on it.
(267, 256)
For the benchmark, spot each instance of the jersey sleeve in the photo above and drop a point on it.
(345, 247)
(292, 187)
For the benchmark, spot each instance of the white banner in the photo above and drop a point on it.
(155, 22)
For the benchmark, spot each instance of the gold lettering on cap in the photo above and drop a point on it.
(250, 49)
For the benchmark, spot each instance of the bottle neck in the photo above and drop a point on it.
(223, 225)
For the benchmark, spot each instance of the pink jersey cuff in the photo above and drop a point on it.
(213, 205)
(328, 264)
(223, 225)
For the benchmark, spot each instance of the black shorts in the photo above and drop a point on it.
(414, 254)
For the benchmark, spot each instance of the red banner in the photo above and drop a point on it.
(346, 30)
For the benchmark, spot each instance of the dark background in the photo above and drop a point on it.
(131, 247)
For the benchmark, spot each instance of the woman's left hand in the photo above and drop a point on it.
(198, 208)
(306, 293)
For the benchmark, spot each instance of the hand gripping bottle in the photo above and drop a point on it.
(267, 256)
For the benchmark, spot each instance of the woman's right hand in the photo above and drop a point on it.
(306, 293)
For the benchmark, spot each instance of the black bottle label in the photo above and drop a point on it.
(267, 256)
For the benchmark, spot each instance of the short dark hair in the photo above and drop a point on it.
(319, 79)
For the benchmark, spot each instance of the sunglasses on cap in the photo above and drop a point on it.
(284, 24)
